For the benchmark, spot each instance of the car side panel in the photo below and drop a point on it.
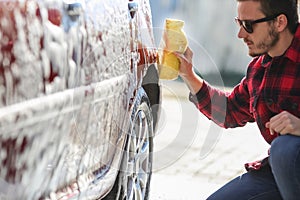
(65, 91)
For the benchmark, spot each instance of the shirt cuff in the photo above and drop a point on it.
(202, 97)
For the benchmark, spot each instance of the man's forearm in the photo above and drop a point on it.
(194, 83)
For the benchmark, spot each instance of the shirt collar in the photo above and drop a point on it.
(266, 59)
(293, 52)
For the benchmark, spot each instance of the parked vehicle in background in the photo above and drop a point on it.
(79, 99)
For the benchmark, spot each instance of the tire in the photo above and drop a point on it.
(152, 88)
(133, 180)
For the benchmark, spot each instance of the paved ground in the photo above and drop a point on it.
(193, 157)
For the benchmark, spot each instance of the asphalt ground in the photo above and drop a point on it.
(194, 157)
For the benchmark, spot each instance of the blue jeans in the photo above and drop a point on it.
(278, 180)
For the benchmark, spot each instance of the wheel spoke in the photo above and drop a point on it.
(138, 191)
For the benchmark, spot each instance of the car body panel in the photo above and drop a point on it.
(68, 76)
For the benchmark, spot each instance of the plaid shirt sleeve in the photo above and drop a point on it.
(226, 109)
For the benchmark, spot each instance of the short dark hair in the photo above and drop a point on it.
(287, 7)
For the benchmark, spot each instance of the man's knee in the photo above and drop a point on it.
(284, 149)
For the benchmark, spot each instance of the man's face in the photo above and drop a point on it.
(264, 36)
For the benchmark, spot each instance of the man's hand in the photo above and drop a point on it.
(284, 123)
(186, 71)
(186, 63)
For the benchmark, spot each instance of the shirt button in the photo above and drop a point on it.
(294, 106)
(270, 102)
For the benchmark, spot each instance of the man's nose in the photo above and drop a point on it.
(242, 33)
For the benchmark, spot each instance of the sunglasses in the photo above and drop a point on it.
(248, 24)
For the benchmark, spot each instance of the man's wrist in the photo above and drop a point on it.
(194, 82)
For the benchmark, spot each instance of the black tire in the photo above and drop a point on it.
(152, 88)
(133, 180)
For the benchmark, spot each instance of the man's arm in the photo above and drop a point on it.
(186, 72)
(225, 109)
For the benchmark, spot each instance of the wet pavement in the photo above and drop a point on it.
(193, 157)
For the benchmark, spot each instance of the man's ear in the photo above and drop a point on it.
(281, 22)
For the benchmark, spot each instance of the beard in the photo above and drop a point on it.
(266, 44)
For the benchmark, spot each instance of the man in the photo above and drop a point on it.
(269, 94)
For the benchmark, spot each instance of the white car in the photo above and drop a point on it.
(79, 99)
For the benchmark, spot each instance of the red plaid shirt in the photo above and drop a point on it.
(271, 85)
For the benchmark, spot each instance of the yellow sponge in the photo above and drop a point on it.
(173, 39)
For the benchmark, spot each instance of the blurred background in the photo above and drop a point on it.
(219, 55)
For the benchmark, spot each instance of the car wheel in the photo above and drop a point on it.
(133, 181)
